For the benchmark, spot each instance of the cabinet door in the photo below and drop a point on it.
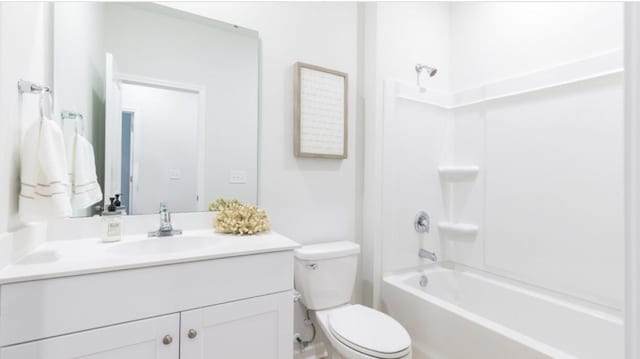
(260, 327)
(141, 339)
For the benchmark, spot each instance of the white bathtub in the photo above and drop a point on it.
(468, 314)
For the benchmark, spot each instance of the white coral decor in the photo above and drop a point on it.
(241, 219)
(221, 204)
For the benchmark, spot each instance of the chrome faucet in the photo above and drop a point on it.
(423, 253)
(166, 228)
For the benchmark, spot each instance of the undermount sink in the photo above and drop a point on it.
(164, 245)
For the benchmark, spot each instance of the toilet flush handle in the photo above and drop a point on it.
(312, 266)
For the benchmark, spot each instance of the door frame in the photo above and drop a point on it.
(133, 112)
(200, 90)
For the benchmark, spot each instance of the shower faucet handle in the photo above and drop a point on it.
(421, 222)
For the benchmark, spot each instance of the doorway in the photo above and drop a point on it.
(161, 153)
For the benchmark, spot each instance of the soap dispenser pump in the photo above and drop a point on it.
(112, 206)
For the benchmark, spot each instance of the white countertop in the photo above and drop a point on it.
(61, 258)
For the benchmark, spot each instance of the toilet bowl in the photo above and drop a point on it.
(359, 332)
(324, 276)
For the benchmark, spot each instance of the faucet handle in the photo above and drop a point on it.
(165, 215)
(166, 228)
(421, 222)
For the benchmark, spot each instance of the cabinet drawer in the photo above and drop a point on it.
(45, 308)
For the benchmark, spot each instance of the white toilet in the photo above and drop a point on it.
(324, 275)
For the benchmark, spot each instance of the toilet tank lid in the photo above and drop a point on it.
(327, 250)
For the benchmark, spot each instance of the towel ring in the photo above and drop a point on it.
(77, 117)
(80, 119)
(46, 104)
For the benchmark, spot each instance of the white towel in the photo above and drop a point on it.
(43, 174)
(85, 189)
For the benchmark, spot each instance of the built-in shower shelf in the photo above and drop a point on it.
(458, 228)
(458, 173)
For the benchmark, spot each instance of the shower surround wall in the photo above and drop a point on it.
(396, 36)
(550, 189)
(548, 196)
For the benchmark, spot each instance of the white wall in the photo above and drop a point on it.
(411, 33)
(309, 200)
(25, 53)
(495, 40)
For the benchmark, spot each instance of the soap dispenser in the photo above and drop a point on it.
(112, 206)
(113, 223)
(118, 203)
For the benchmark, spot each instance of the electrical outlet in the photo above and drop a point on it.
(238, 177)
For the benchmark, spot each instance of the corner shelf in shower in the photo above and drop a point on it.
(464, 229)
(458, 173)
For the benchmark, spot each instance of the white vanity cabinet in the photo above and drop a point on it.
(232, 308)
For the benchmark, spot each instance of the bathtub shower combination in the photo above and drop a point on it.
(502, 207)
(464, 313)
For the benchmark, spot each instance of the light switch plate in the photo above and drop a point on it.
(175, 174)
(238, 177)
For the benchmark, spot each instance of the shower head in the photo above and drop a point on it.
(429, 70)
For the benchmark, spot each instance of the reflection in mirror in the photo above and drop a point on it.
(169, 101)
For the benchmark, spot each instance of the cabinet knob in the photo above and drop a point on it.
(192, 333)
(167, 340)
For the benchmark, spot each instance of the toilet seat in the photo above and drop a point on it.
(369, 332)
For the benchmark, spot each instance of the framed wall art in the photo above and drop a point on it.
(320, 112)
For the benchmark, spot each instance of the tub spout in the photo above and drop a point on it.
(423, 253)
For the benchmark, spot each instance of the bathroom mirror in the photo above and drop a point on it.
(169, 101)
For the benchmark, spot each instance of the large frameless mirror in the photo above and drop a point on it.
(167, 99)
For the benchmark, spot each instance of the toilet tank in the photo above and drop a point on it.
(325, 273)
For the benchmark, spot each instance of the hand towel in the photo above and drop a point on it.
(44, 192)
(85, 189)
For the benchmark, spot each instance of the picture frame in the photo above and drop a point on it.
(320, 112)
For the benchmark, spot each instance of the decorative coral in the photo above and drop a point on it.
(241, 219)
(221, 204)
